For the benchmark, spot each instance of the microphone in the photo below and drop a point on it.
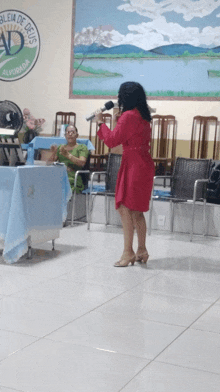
(108, 105)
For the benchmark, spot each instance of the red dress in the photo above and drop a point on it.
(135, 176)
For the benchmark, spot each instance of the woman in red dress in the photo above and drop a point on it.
(135, 176)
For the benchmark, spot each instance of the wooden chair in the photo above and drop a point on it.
(64, 118)
(163, 143)
(99, 157)
(201, 130)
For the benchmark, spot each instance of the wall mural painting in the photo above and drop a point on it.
(171, 47)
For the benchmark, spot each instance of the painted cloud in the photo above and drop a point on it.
(164, 22)
(152, 9)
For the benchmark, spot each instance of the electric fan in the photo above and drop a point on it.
(11, 116)
(11, 121)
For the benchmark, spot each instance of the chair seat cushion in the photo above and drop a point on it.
(159, 193)
(95, 188)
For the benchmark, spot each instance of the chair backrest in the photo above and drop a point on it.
(186, 172)
(164, 129)
(64, 118)
(99, 145)
(200, 137)
(113, 165)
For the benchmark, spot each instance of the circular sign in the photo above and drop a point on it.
(19, 45)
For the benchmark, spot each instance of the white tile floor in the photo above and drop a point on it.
(71, 322)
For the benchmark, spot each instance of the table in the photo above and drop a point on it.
(46, 142)
(32, 198)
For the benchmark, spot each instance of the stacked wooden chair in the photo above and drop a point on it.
(163, 143)
(63, 118)
(202, 128)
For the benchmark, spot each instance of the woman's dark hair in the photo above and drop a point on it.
(131, 95)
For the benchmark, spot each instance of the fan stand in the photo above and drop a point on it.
(11, 121)
(10, 152)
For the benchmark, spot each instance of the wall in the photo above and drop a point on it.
(45, 90)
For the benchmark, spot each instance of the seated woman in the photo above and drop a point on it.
(72, 154)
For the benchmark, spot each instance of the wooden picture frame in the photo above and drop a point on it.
(175, 65)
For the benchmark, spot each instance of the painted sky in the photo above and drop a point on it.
(148, 23)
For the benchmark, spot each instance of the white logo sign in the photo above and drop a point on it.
(19, 45)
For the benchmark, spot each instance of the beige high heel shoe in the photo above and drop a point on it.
(142, 257)
(125, 263)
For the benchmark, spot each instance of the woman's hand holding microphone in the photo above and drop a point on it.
(99, 117)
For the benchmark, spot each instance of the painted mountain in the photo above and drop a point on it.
(120, 49)
(166, 50)
(179, 49)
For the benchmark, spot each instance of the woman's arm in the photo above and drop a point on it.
(81, 161)
(53, 157)
(121, 132)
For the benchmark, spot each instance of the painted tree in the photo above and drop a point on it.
(101, 36)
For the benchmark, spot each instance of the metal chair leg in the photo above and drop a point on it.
(150, 216)
(151, 208)
(78, 172)
(193, 210)
(90, 202)
(87, 207)
(73, 207)
(74, 199)
(106, 210)
(89, 211)
(29, 253)
(192, 224)
(204, 181)
(204, 217)
(171, 216)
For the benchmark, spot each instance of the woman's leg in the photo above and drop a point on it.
(139, 223)
(128, 229)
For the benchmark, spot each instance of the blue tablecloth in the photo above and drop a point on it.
(31, 197)
(46, 142)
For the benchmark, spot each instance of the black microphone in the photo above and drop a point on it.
(108, 105)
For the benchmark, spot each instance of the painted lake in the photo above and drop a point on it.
(156, 76)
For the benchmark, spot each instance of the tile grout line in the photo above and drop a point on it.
(153, 360)
(97, 307)
(170, 364)
(16, 390)
(21, 349)
(189, 368)
(45, 336)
